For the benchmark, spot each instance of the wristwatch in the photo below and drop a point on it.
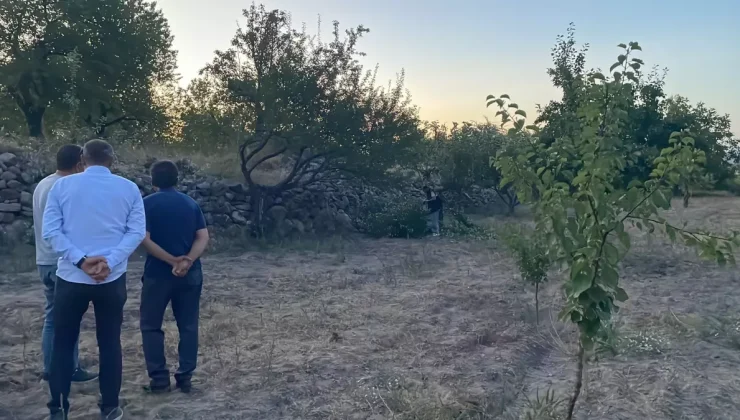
(80, 262)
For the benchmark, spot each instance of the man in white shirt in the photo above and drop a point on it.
(95, 221)
(69, 162)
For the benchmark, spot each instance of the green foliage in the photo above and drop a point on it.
(308, 102)
(651, 116)
(460, 158)
(100, 58)
(458, 225)
(531, 255)
(583, 212)
(530, 252)
(394, 219)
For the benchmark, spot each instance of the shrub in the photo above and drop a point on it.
(457, 224)
(530, 253)
(397, 218)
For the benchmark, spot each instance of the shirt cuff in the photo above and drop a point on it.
(75, 255)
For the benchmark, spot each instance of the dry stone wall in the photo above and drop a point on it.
(323, 209)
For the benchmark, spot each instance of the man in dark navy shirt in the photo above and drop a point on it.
(176, 237)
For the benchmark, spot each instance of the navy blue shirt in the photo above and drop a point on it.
(172, 218)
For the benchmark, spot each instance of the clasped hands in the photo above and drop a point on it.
(181, 265)
(97, 268)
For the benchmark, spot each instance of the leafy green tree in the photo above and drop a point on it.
(652, 117)
(313, 105)
(210, 120)
(107, 54)
(583, 213)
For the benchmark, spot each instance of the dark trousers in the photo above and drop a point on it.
(71, 301)
(184, 293)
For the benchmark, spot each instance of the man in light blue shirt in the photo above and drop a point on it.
(95, 221)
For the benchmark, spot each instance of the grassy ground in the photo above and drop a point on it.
(428, 330)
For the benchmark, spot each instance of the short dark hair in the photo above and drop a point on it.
(98, 152)
(68, 156)
(164, 174)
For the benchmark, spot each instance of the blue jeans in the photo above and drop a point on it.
(49, 279)
(184, 296)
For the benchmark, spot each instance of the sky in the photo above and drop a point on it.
(455, 53)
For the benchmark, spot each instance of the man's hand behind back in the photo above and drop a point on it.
(182, 266)
(97, 268)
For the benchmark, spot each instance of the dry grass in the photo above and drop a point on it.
(427, 330)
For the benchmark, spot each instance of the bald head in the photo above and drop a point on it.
(98, 153)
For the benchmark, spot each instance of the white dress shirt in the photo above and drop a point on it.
(94, 213)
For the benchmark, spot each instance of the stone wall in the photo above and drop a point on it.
(323, 209)
(328, 208)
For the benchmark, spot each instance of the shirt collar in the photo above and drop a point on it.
(97, 170)
(170, 189)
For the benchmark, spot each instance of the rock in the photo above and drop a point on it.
(236, 187)
(238, 218)
(324, 222)
(8, 159)
(26, 199)
(8, 176)
(299, 227)
(3, 184)
(205, 185)
(7, 217)
(221, 220)
(15, 185)
(10, 207)
(277, 214)
(344, 223)
(16, 170)
(10, 195)
(27, 178)
(209, 218)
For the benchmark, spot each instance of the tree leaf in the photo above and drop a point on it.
(622, 46)
(505, 96)
(614, 66)
(489, 97)
(521, 112)
(513, 105)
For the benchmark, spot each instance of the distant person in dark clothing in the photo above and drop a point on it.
(176, 237)
(434, 206)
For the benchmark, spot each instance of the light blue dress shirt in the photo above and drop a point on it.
(94, 213)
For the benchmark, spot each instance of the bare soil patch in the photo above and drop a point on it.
(432, 330)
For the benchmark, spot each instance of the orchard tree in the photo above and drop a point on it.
(312, 105)
(99, 57)
(584, 213)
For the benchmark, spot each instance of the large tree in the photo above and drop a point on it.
(312, 105)
(99, 58)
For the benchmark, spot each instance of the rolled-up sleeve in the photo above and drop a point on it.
(52, 229)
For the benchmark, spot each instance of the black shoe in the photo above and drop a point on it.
(185, 387)
(157, 389)
(114, 414)
(81, 375)
(58, 415)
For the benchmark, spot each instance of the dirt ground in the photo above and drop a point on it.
(429, 330)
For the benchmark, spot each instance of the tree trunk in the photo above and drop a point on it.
(256, 201)
(537, 304)
(579, 382)
(34, 121)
